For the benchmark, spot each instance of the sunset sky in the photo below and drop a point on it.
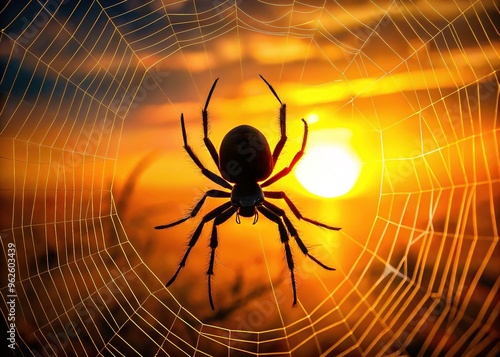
(91, 98)
(125, 78)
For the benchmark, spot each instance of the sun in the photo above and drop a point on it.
(329, 169)
(312, 118)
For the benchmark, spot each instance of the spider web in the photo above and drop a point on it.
(92, 159)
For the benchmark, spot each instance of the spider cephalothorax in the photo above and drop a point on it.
(245, 159)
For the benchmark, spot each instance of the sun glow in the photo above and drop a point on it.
(329, 169)
(312, 118)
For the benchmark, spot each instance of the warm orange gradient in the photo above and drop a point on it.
(401, 99)
(380, 125)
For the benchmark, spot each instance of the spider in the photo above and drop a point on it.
(244, 160)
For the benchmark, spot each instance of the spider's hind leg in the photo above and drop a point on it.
(293, 232)
(295, 210)
(192, 242)
(194, 211)
(214, 242)
(285, 240)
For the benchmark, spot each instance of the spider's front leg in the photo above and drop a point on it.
(208, 143)
(285, 171)
(215, 178)
(281, 143)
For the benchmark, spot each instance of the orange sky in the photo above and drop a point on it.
(392, 73)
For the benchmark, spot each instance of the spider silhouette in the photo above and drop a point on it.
(244, 160)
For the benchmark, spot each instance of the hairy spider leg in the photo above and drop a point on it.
(197, 207)
(206, 218)
(281, 143)
(208, 143)
(293, 232)
(221, 218)
(215, 178)
(295, 159)
(295, 210)
(285, 240)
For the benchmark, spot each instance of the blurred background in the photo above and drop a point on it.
(401, 100)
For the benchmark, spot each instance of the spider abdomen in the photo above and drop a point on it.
(245, 155)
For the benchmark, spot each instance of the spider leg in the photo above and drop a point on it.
(295, 210)
(285, 240)
(215, 178)
(208, 217)
(221, 218)
(281, 143)
(208, 143)
(295, 159)
(194, 211)
(294, 233)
